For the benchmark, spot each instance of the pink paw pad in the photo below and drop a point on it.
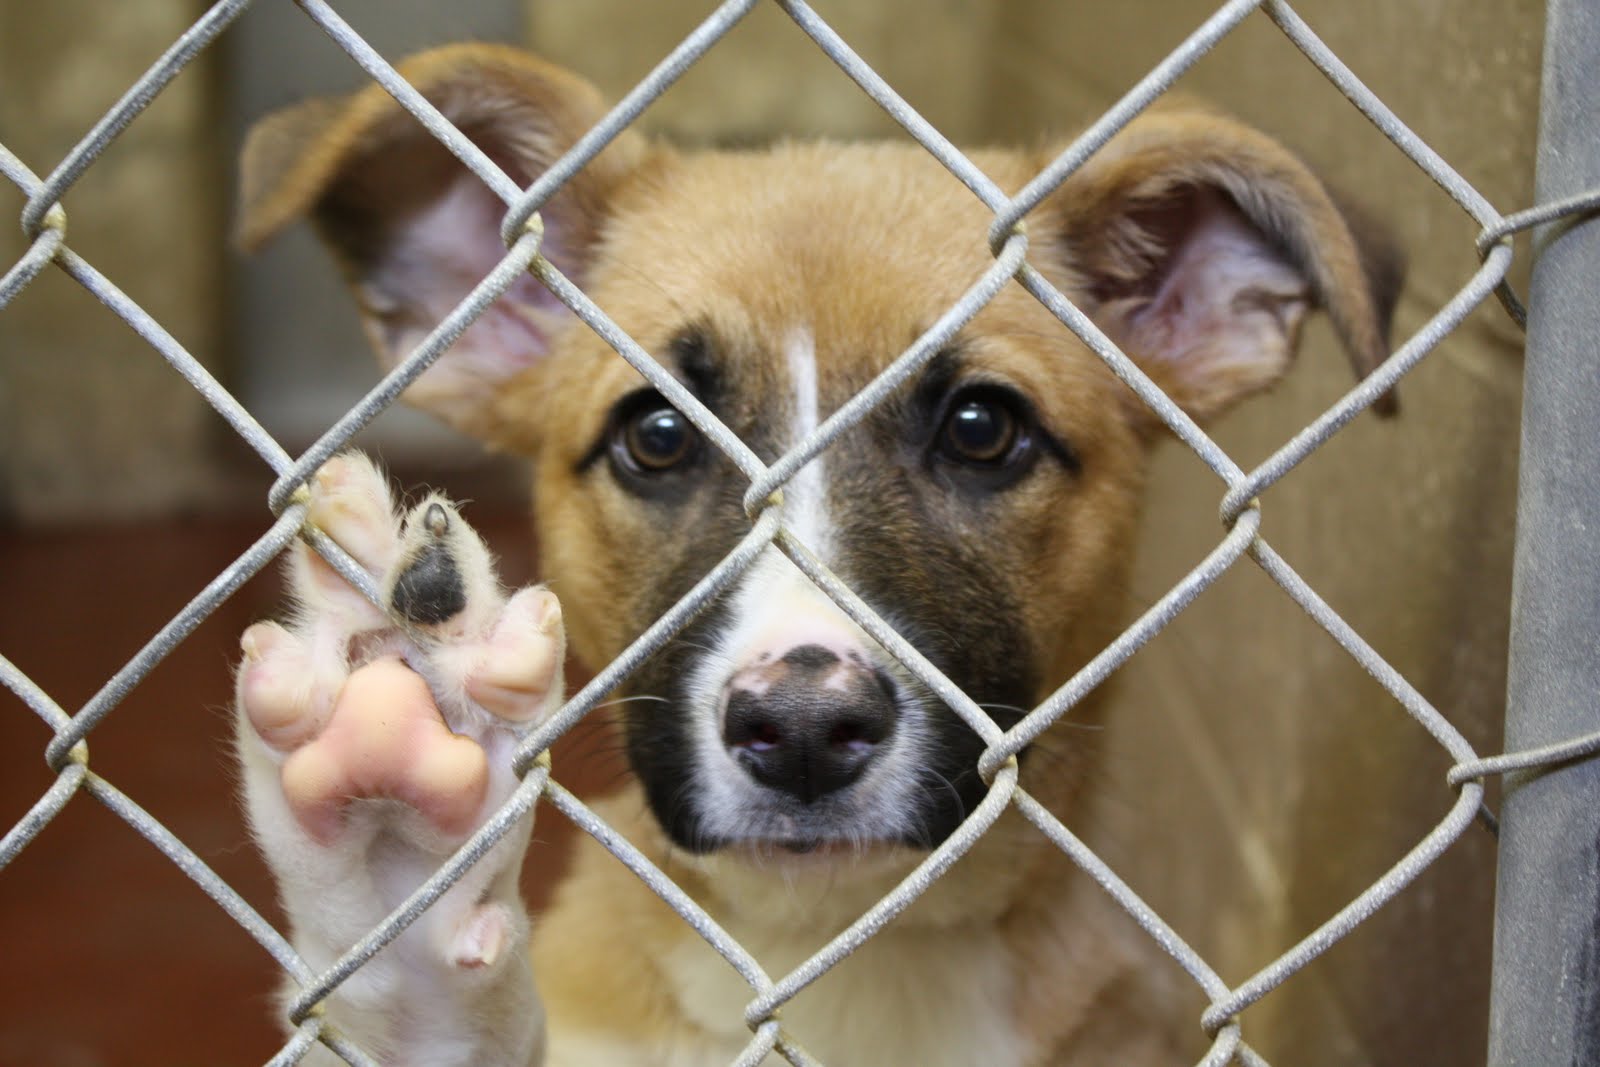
(385, 739)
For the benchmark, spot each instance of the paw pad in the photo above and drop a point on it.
(428, 587)
(385, 738)
(481, 937)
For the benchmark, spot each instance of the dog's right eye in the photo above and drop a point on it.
(649, 436)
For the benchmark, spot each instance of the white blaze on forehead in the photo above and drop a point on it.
(772, 609)
(774, 606)
(805, 494)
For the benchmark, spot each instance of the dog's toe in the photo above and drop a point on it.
(349, 501)
(519, 667)
(281, 687)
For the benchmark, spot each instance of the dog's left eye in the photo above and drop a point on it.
(650, 436)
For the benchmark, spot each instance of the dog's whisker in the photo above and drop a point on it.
(630, 699)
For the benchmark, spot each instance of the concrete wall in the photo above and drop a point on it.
(1262, 779)
(92, 422)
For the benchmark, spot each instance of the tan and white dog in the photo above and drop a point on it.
(784, 769)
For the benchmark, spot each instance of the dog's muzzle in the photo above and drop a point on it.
(808, 723)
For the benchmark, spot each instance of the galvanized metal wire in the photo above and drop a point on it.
(44, 222)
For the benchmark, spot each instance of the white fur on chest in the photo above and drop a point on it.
(929, 999)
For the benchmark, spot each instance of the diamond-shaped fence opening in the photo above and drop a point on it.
(1245, 496)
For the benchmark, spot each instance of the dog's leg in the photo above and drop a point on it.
(373, 743)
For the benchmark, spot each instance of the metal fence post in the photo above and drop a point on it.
(1546, 987)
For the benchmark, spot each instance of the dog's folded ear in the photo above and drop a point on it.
(1198, 244)
(415, 230)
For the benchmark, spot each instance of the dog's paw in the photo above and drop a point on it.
(376, 738)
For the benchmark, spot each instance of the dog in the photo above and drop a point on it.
(784, 768)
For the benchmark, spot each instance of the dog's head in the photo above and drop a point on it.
(985, 509)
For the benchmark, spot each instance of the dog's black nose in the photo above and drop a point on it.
(809, 723)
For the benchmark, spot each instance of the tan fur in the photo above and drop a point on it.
(1014, 957)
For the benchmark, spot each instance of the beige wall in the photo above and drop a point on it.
(92, 422)
(1262, 779)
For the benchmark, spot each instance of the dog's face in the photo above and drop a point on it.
(1001, 470)
(984, 509)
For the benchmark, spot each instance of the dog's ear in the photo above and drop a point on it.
(415, 230)
(1198, 244)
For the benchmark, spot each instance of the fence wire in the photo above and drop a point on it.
(44, 222)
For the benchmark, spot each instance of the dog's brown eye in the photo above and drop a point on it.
(651, 448)
(983, 430)
(656, 438)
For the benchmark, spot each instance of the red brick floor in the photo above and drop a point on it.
(109, 955)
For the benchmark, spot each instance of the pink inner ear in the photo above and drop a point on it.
(1222, 318)
(440, 251)
(431, 259)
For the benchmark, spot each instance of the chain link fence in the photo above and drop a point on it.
(44, 221)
